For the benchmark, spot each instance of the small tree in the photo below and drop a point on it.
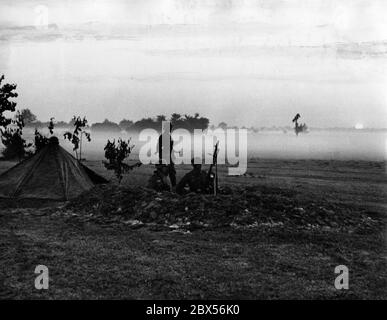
(11, 127)
(12, 139)
(76, 136)
(7, 92)
(116, 154)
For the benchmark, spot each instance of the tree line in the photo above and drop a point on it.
(12, 123)
(178, 121)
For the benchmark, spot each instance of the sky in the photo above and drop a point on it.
(245, 62)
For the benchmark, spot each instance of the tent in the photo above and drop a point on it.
(52, 174)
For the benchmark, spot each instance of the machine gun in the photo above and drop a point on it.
(213, 177)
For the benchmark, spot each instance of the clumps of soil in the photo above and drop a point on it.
(247, 207)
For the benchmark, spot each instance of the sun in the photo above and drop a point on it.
(359, 126)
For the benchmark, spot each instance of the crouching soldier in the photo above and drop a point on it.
(197, 180)
(159, 180)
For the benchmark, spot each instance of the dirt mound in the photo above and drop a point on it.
(248, 207)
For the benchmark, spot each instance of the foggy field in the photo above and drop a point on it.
(317, 144)
(94, 259)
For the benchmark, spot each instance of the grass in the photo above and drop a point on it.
(90, 260)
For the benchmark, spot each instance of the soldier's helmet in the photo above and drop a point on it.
(196, 161)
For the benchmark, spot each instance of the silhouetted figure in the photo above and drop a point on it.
(165, 153)
(159, 180)
(196, 180)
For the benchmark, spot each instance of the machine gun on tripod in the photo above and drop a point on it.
(213, 176)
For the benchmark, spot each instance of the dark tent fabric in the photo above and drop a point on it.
(52, 174)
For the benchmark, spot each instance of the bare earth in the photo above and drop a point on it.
(87, 259)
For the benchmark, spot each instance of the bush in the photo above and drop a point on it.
(116, 154)
(15, 145)
(11, 128)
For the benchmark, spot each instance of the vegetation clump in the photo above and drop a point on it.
(76, 137)
(116, 155)
(11, 124)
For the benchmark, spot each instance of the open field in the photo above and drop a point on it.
(106, 258)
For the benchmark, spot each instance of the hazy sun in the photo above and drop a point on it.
(359, 126)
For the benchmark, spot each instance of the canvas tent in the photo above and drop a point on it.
(52, 174)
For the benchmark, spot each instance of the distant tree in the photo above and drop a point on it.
(187, 122)
(175, 117)
(62, 124)
(147, 123)
(27, 116)
(195, 122)
(177, 121)
(76, 137)
(222, 125)
(161, 118)
(125, 124)
(106, 125)
(299, 128)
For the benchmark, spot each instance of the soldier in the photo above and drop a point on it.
(165, 150)
(197, 180)
(159, 180)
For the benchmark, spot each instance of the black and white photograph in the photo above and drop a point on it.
(193, 150)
